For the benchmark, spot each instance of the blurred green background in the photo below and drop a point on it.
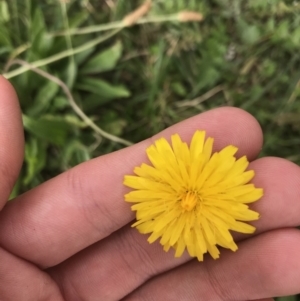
(132, 82)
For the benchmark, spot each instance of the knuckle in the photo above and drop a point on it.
(89, 202)
(136, 254)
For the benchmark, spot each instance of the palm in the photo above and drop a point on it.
(70, 238)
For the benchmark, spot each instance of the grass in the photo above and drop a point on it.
(103, 83)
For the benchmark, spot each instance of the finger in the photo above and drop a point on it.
(266, 265)
(279, 208)
(21, 280)
(11, 139)
(125, 255)
(85, 204)
(15, 273)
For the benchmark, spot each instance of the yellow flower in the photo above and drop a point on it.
(190, 198)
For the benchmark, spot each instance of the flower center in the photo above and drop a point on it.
(189, 201)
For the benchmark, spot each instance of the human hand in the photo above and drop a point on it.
(70, 239)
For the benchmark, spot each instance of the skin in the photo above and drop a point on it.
(70, 238)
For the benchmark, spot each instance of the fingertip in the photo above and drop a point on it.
(10, 107)
(280, 204)
(11, 138)
(7, 88)
(253, 134)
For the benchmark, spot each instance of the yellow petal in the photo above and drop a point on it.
(250, 197)
(180, 247)
(197, 143)
(207, 149)
(243, 227)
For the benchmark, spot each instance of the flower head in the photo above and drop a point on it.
(191, 198)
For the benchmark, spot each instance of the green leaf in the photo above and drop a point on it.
(43, 98)
(282, 31)
(104, 61)
(15, 192)
(38, 24)
(269, 68)
(250, 34)
(76, 19)
(71, 73)
(116, 127)
(103, 89)
(4, 50)
(74, 153)
(82, 56)
(60, 102)
(179, 89)
(4, 12)
(295, 37)
(49, 128)
(90, 102)
(76, 121)
(5, 37)
(41, 42)
(35, 159)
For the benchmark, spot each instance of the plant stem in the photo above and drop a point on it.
(116, 25)
(61, 55)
